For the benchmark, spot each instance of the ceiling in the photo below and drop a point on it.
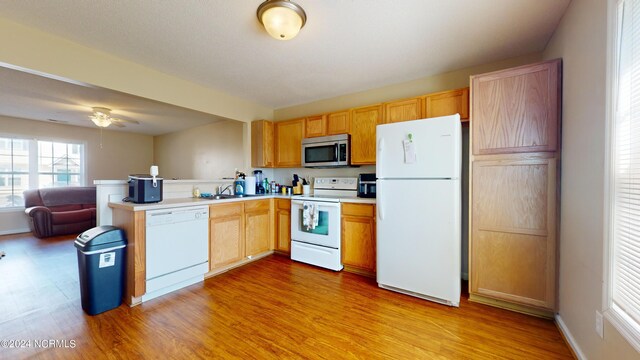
(346, 46)
(35, 97)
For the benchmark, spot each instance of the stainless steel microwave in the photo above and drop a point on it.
(326, 151)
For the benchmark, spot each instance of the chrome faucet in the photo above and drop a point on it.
(222, 190)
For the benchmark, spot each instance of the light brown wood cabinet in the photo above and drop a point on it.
(257, 221)
(525, 98)
(262, 144)
(316, 126)
(226, 234)
(283, 225)
(363, 134)
(514, 187)
(447, 103)
(288, 138)
(327, 124)
(278, 144)
(338, 122)
(359, 238)
(403, 110)
(237, 230)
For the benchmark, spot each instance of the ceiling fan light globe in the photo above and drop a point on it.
(100, 120)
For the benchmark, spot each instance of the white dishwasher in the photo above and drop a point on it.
(177, 249)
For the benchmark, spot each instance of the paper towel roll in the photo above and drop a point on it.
(250, 185)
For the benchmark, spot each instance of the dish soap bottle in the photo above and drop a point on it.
(238, 185)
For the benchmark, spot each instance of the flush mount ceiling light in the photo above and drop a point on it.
(282, 19)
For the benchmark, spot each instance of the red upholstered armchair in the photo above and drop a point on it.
(59, 211)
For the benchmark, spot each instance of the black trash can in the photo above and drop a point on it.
(101, 264)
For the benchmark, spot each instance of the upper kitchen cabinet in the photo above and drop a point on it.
(517, 110)
(338, 122)
(288, 138)
(316, 126)
(262, 144)
(363, 134)
(447, 103)
(403, 110)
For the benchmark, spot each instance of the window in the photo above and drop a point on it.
(58, 164)
(623, 293)
(29, 164)
(14, 171)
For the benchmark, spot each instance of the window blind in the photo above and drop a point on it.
(625, 250)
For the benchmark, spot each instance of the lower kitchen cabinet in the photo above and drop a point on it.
(283, 225)
(237, 230)
(257, 219)
(359, 238)
(226, 234)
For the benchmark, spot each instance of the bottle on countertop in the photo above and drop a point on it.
(196, 192)
(267, 187)
(238, 185)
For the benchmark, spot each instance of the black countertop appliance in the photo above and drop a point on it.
(145, 189)
(367, 185)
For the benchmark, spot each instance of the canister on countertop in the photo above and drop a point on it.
(250, 185)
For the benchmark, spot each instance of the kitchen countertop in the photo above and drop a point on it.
(183, 202)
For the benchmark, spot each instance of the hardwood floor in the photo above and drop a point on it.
(272, 308)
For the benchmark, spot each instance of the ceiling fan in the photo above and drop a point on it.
(102, 118)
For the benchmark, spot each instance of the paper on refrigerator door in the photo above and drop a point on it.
(409, 151)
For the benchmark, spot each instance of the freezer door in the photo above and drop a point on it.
(436, 142)
(418, 237)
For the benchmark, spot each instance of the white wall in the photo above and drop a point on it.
(581, 40)
(208, 152)
(121, 154)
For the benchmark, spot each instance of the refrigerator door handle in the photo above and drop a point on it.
(380, 210)
(380, 145)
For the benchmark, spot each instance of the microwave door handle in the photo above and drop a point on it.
(335, 150)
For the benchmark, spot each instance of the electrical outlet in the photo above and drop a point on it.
(599, 324)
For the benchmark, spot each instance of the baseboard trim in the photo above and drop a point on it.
(524, 309)
(569, 339)
(15, 231)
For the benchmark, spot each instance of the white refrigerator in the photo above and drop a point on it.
(418, 166)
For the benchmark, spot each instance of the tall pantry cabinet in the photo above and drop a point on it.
(515, 157)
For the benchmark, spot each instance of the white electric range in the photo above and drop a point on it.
(320, 246)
